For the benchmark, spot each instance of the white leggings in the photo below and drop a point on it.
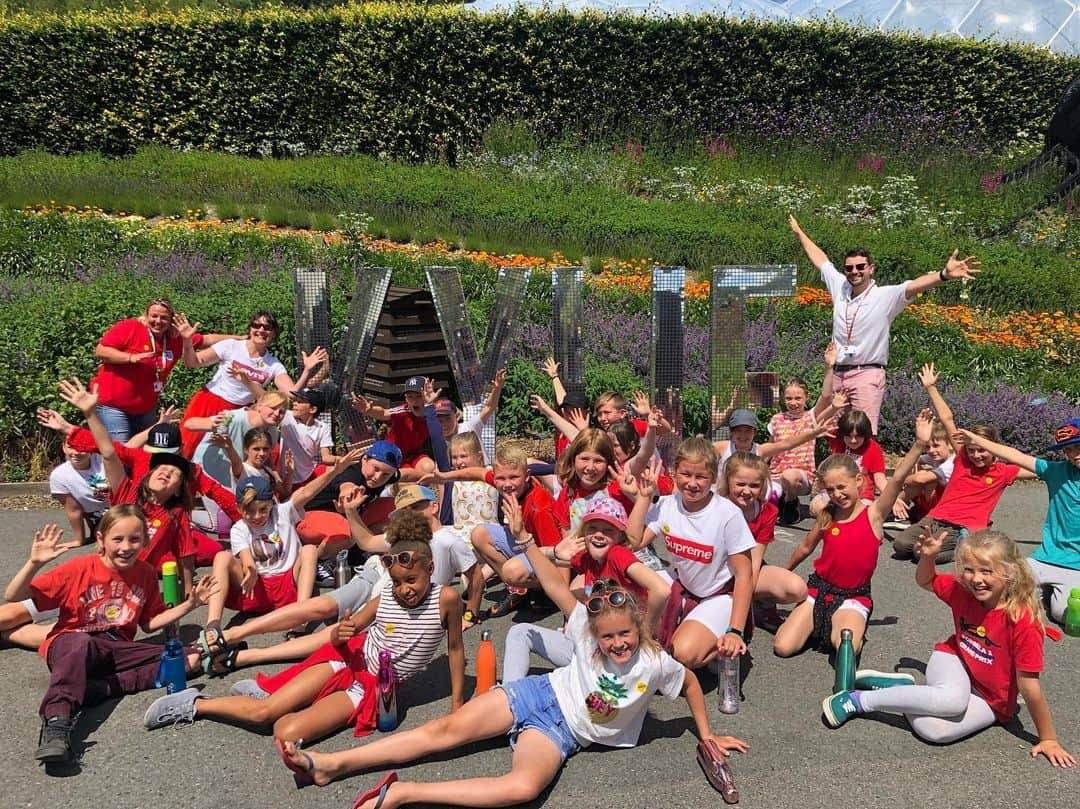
(1056, 582)
(524, 639)
(941, 711)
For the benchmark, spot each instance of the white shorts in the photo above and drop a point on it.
(849, 604)
(776, 490)
(714, 613)
(354, 692)
(39, 616)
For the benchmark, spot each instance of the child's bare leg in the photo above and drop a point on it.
(693, 644)
(321, 608)
(536, 763)
(292, 649)
(304, 572)
(297, 693)
(848, 619)
(27, 636)
(321, 719)
(13, 614)
(480, 718)
(792, 635)
(228, 573)
(475, 578)
(780, 586)
(74, 513)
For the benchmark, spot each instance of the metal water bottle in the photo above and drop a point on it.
(172, 674)
(728, 674)
(388, 713)
(844, 680)
(344, 571)
(485, 664)
(170, 585)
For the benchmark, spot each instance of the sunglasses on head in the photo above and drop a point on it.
(854, 267)
(616, 598)
(403, 558)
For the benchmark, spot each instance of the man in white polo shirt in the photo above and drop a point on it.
(863, 311)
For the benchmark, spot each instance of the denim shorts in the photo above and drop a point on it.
(534, 705)
(505, 545)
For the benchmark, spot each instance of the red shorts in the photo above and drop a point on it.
(410, 461)
(270, 593)
(318, 527)
(202, 404)
(206, 548)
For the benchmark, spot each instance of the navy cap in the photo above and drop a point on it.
(172, 459)
(1067, 434)
(385, 451)
(444, 407)
(575, 399)
(415, 384)
(261, 486)
(743, 418)
(313, 396)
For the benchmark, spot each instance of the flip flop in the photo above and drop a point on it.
(301, 776)
(377, 791)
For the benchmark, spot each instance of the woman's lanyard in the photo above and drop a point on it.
(849, 318)
(159, 372)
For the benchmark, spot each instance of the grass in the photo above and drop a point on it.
(675, 205)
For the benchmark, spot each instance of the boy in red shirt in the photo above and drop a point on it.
(103, 599)
(408, 427)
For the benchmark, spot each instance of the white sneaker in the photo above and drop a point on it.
(172, 709)
(248, 688)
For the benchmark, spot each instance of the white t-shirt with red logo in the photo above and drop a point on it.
(275, 545)
(700, 542)
(306, 442)
(258, 369)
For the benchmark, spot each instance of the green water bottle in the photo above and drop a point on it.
(845, 663)
(170, 586)
(1072, 614)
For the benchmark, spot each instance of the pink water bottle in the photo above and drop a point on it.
(388, 714)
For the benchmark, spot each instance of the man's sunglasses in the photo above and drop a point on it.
(616, 598)
(854, 267)
(403, 558)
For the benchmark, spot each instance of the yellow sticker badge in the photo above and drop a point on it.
(988, 480)
(835, 531)
(641, 687)
(389, 629)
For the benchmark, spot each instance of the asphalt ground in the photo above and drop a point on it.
(794, 759)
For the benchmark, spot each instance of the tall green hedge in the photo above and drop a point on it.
(399, 80)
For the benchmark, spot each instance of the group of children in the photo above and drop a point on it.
(425, 507)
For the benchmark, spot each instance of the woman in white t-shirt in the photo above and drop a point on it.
(600, 697)
(709, 543)
(248, 358)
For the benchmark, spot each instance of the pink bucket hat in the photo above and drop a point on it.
(607, 509)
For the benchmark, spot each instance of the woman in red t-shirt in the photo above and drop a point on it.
(994, 654)
(137, 355)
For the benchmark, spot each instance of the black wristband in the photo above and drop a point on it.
(733, 631)
(943, 276)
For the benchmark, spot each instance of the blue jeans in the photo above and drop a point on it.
(121, 425)
(534, 705)
(504, 544)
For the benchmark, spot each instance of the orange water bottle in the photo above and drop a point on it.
(485, 664)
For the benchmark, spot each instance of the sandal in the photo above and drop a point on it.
(512, 602)
(301, 775)
(377, 791)
(223, 663)
(212, 641)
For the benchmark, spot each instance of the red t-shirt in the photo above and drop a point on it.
(409, 433)
(870, 460)
(93, 597)
(849, 553)
(131, 387)
(169, 529)
(614, 566)
(971, 494)
(537, 512)
(763, 526)
(641, 426)
(561, 443)
(136, 463)
(990, 645)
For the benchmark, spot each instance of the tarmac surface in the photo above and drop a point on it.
(794, 759)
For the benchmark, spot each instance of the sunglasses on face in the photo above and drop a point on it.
(615, 598)
(854, 267)
(261, 327)
(403, 558)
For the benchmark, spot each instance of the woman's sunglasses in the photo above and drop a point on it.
(261, 327)
(616, 598)
(403, 558)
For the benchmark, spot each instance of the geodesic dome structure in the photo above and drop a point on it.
(1054, 24)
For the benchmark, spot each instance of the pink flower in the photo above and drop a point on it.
(870, 163)
(991, 182)
(715, 145)
(630, 149)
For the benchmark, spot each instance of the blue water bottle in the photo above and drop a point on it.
(388, 714)
(172, 672)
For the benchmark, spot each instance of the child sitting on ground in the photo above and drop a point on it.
(102, 600)
(995, 652)
(336, 686)
(924, 487)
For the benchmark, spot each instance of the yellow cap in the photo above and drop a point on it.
(168, 569)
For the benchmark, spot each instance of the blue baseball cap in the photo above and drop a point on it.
(1067, 434)
(385, 451)
(743, 418)
(260, 485)
(415, 384)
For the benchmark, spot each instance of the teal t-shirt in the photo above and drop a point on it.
(1061, 531)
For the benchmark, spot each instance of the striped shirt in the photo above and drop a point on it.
(412, 636)
(783, 426)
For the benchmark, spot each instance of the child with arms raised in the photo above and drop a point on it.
(838, 591)
(336, 685)
(102, 599)
(600, 697)
(855, 439)
(995, 652)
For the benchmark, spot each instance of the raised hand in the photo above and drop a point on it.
(967, 268)
(840, 399)
(430, 392)
(203, 590)
(350, 458)
(579, 417)
(830, 354)
(826, 429)
(314, 359)
(550, 367)
(219, 440)
(343, 629)
(73, 392)
(929, 545)
(569, 547)
(794, 223)
(500, 378)
(52, 420)
(537, 402)
(184, 327)
(47, 545)
(928, 376)
(924, 426)
(290, 462)
(515, 523)
(360, 404)
(647, 482)
(170, 415)
(641, 404)
(655, 418)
